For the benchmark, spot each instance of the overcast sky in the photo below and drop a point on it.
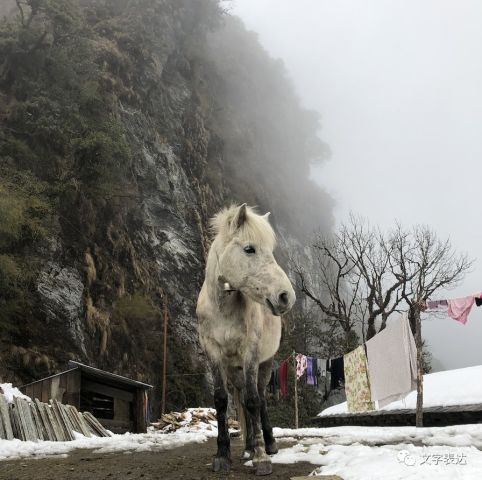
(399, 88)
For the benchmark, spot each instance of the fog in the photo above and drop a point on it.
(398, 86)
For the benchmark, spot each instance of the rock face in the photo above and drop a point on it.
(146, 122)
(61, 294)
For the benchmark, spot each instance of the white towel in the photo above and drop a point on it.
(392, 362)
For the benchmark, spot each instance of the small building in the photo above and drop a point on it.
(119, 403)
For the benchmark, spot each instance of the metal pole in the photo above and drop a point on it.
(296, 393)
(164, 360)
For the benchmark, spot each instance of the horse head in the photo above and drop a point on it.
(246, 262)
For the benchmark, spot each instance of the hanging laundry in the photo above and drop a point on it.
(459, 308)
(392, 362)
(273, 385)
(440, 305)
(301, 365)
(283, 378)
(337, 373)
(327, 379)
(310, 377)
(321, 367)
(357, 386)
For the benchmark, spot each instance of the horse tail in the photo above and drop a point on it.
(240, 413)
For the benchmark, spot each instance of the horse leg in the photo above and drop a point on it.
(249, 440)
(222, 460)
(261, 460)
(237, 378)
(263, 379)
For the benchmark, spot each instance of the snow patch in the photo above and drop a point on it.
(10, 392)
(453, 387)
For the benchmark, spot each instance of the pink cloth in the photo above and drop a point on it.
(301, 364)
(459, 308)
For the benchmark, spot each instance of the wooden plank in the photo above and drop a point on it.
(3, 433)
(49, 433)
(16, 427)
(41, 431)
(66, 433)
(73, 420)
(16, 416)
(56, 424)
(17, 410)
(70, 427)
(5, 416)
(95, 425)
(26, 419)
(78, 419)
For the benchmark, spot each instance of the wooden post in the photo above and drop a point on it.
(296, 392)
(164, 360)
(418, 341)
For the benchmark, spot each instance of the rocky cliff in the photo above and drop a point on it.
(125, 125)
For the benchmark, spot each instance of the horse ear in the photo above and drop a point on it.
(240, 217)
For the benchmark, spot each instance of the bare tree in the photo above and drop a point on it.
(328, 277)
(350, 278)
(370, 251)
(424, 264)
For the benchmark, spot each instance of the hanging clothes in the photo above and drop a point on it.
(327, 386)
(310, 377)
(283, 378)
(321, 366)
(273, 385)
(357, 386)
(459, 308)
(337, 371)
(301, 364)
(440, 305)
(392, 362)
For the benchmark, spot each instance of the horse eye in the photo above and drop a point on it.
(249, 249)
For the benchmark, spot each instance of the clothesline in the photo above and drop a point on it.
(382, 370)
(456, 308)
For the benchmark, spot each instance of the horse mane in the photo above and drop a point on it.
(256, 228)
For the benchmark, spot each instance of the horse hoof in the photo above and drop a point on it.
(221, 464)
(247, 455)
(272, 448)
(264, 468)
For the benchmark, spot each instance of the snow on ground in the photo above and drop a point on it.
(16, 449)
(11, 392)
(387, 453)
(353, 453)
(129, 442)
(453, 387)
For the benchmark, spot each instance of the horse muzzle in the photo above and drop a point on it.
(281, 303)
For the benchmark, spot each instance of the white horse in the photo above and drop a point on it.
(244, 293)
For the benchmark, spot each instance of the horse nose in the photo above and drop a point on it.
(283, 299)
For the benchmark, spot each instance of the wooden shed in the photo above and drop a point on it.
(119, 403)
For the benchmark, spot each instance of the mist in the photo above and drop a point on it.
(269, 139)
(397, 87)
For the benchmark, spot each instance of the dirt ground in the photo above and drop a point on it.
(192, 462)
